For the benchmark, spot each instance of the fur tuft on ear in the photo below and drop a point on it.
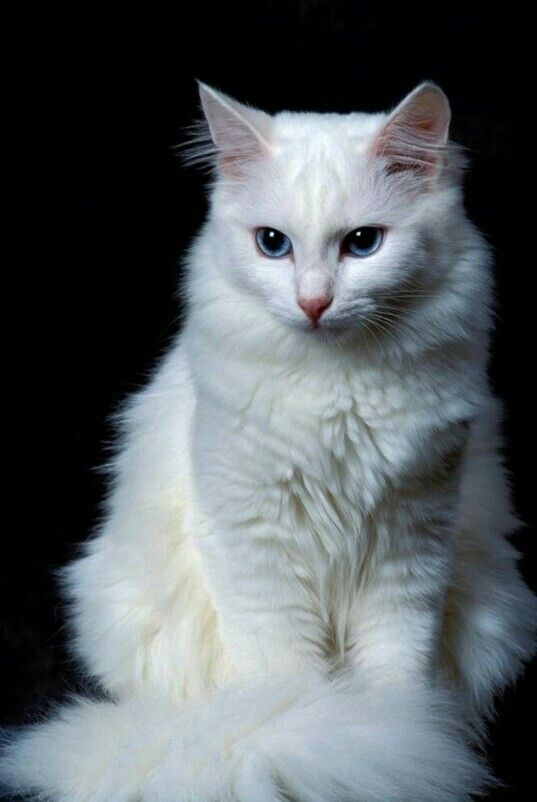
(415, 137)
(229, 136)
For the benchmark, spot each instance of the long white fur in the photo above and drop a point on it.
(295, 737)
(303, 588)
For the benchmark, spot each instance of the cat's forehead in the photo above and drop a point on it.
(319, 180)
(314, 131)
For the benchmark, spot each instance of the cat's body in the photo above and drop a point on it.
(308, 521)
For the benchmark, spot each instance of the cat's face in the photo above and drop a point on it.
(325, 218)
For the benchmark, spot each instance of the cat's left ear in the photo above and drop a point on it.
(415, 136)
(240, 134)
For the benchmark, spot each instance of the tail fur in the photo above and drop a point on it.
(305, 740)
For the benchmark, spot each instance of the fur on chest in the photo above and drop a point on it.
(321, 458)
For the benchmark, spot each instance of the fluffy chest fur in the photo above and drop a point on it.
(313, 464)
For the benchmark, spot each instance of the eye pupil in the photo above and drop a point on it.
(273, 243)
(363, 241)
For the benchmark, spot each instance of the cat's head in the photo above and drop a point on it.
(331, 221)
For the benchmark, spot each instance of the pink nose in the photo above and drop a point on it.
(314, 307)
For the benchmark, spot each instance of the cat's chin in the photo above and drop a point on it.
(329, 333)
(332, 333)
(344, 337)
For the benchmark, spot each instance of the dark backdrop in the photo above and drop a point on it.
(108, 211)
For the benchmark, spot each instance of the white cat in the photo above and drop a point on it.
(303, 588)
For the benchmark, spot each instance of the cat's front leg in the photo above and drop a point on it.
(397, 616)
(266, 621)
(254, 552)
(395, 622)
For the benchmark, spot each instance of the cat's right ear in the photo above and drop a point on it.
(235, 136)
(415, 135)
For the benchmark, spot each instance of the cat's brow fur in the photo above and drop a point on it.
(303, 587)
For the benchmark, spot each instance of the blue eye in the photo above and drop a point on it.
(363, 241)
(273, 243)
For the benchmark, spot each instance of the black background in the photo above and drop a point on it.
(107, 212)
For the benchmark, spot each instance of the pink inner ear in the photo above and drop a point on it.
(415, 138)
(236, 145)
(238, 131)
(233, 165)
(403, 152)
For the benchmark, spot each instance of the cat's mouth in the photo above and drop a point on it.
(329, 331)
(356, 327)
